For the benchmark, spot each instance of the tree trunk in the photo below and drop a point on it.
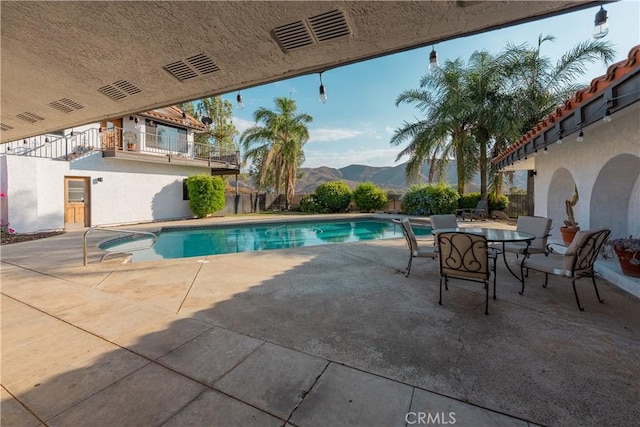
(530, 193)
(483, 138)
(460, 167)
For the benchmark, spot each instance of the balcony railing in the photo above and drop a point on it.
(116, 142)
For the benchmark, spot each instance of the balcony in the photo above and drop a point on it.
(128, 145)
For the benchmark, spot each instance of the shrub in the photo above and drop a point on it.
(206, 194)
(333, 197)
(469, 201)
(498, 202)
(430, 200)
(368, 197)
(308, 204)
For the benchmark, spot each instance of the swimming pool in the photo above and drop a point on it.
(181, 242)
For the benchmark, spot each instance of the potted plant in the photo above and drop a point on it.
(570, 225)
(628, 251)
(130, 139)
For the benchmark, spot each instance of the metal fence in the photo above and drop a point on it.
(260, 202)
(518, 205)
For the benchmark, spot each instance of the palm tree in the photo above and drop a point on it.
(480, 109)
(276, 144)
(444, 132)
(538, 86)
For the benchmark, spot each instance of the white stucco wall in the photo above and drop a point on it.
(130, 191)
(606, 169)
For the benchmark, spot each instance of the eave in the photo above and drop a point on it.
(618, 89)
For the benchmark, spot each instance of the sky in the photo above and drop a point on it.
(356, 123)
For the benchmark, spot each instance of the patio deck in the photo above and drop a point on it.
(319, 336)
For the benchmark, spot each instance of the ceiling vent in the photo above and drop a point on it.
(293, 36)
(30, 117)
(120, 89)
(66, 105)
(329, 26)
(316, 29)
(5, 127)
(192, 67)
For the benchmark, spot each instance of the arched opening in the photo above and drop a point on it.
(560, 189)
(615, 203)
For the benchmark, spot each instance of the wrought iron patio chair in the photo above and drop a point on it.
(415, 250)
(466, 256)
(575, 263)
(539, 227)
(443, 221)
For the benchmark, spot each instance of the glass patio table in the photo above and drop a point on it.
(493, 235)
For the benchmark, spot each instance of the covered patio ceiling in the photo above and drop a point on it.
(66, 64)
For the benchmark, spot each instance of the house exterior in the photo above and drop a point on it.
(604, 166)
(123, 170)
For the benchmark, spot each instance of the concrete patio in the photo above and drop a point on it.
(330, 335)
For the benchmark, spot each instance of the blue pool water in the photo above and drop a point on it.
(190, 242)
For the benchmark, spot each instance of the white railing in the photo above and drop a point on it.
(77, 144)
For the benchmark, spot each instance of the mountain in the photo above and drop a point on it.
(386, 177)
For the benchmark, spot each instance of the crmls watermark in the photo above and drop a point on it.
(441, 418)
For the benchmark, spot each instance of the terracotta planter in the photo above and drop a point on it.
(568, 234)
(625, 258)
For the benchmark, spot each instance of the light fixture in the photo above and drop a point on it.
(433, 60)
(545, 151)
(601, 27)
(135, 121)
(323, 93)
(207, 121)
(239, 103)
(46, 140)
(580, 137)
(607, 116)
(559, 141)
(185, 120)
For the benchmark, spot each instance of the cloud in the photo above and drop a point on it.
(241, 124)
(325, 135)
(389, 129)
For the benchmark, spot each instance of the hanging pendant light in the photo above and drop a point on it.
(433, 60)
(323, 93)
(580, 137)
(239, 103)
(601, 27)
(559, 141)
(607, 116)
(185, 120)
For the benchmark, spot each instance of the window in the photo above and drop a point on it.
(165, 137)
(75, 191)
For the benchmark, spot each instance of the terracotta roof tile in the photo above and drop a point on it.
(615, 72)
(173, 114)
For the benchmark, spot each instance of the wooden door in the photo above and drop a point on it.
(112, 133)
(76, 202)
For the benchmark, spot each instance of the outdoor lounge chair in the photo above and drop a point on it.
(576, 262)
(443, 221)
(466, 256)
(415, 251)
(481, 211)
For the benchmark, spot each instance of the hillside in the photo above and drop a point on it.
(387, 177)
